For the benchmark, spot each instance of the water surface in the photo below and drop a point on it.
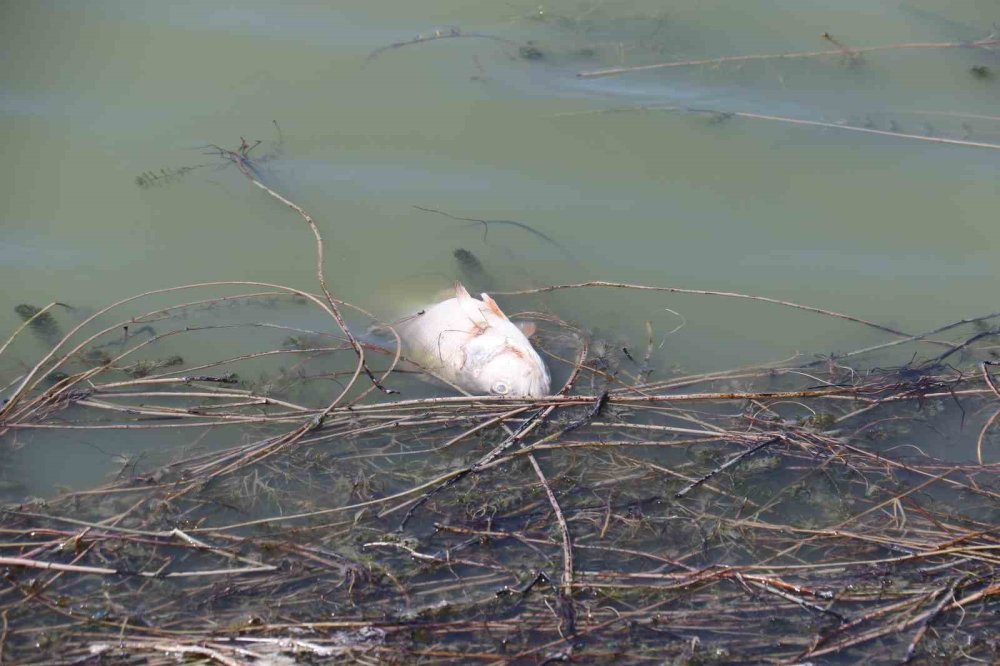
(888, 229)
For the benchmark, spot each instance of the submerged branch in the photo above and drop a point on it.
(449, 33)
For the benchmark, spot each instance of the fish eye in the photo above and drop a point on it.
(500, 388)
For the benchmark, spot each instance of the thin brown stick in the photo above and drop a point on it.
(433, 559)
(26, 384)
(566, 583)
(947, 596)
(3, 635)
(76, 568)
(982, 435)
(242, 162)
(726, 465)
(863, 130)
(178, 649)
(703, 292)
(615, 71)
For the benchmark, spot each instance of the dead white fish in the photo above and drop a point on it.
(472, 344)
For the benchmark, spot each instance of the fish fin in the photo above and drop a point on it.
(493, 307)
(527, 327)
(469, 305)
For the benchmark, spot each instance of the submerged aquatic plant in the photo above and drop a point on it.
(981, 72)
(40, 320)
(148, 179)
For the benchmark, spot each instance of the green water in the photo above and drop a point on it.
(895, 230)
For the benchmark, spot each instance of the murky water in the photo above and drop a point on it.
(895, 230)
(699, 177)
(890, 229)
